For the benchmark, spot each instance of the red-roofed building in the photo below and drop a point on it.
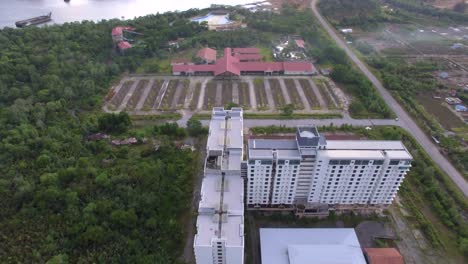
(207, 55)
(229, 66)
(117, 33)
(383, 256)
(123, 45)
(300, 43)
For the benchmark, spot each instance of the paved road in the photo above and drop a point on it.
(405, 120)
(249, 123)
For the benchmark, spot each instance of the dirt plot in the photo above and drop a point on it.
(118, 98)
(434, 106)
(260, 94)
(137, 94)
(183, 89)
(326, 94)
(244, 96)
(227, 92)
(310, 95)
(293, 94)
(277, 93)
(152, 95)
(195, 96)
(210, 96)
(169, 95)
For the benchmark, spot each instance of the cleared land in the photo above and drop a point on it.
(260, 94)
(153, 94)
(310, 95)
(293, 94)
(136, 94)
(163, 93)
(118, 98)
(326, 93)
(277, 93)
(210, 96)
(244, 98)
(169, 95)
(435, 107)
(195, 96)
(227, 92)
(182, 93)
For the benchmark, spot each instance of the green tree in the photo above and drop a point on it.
(288, 110)
(195, 128)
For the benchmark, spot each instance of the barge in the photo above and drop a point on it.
(34, 21)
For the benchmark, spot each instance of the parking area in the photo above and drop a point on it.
(140, 94)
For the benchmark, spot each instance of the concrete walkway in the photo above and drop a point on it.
(190, 93)
(284, 90)
(202, 94)
(253, 99)
(269, 94)
(219, 94)
(235, 92)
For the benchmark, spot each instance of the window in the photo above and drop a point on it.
(394, 162)
(378, 162)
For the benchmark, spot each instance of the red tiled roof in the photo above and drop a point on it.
(246, 50)
(123, 45)
(300, 43)
(119, 30)
(232, 64)
(298, 66)
(207, 54)
(383, 256)
(248, 57)
(227, 63)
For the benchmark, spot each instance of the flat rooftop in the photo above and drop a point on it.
(310, 245)
(226, 126)
(352, 154)
(221, 207)
(232, 222)
(365, 145)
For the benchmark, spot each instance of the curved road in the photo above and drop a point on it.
(405, 120)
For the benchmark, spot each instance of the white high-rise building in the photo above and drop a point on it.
(220, 222)
(309, 169)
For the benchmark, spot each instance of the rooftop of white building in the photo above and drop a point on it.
(301, 245)
(222, 130)
(221, 207)
(398, 154)
(210, 204)
(365, 145)
(352, 154)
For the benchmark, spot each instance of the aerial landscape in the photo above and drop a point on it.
(232, 132)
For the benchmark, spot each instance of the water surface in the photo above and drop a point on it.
(78, 10)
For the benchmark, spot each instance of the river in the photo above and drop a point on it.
(78, 10)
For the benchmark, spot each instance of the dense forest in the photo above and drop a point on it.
(65, 198)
